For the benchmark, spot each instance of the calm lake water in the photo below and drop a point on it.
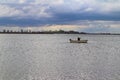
(52, 57)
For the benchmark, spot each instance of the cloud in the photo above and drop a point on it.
(92, 26)
(48, 7)
(23, 11)
(36, 11)
(81, 15)
(22, 1)
(84, 26)
(74, 5)
(8, 1)
(7, 11)
(63, 27)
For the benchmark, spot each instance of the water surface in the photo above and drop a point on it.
(52, 57)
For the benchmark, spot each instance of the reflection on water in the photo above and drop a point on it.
(52, 57)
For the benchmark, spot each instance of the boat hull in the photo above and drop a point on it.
(76, 41)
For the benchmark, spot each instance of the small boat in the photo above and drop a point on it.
(78, 41)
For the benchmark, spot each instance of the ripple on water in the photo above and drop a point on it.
(52, 57)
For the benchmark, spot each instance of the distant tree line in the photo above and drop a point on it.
(5, 31)
(38, 32)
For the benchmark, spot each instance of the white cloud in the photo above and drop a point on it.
(63, 27)
(36, 11)
(8, 1)
(86, 5)
(88, 9)
(22, 1)
(6, 11)
(24, 11)
(44, 8)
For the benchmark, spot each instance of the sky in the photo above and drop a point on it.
(79, 15)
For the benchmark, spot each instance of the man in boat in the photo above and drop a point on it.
(78, 39)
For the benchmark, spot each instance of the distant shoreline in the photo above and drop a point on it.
(59, 33)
